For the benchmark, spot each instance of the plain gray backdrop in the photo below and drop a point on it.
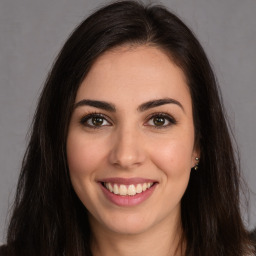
(33, 31)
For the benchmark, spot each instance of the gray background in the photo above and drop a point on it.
(32, 32)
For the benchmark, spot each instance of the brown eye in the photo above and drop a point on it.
(94, 121)
(97, 121)
(159, 121)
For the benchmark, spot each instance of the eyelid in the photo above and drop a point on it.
(168, 117)
(89, 115)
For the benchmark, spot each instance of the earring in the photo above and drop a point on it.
(197, 162)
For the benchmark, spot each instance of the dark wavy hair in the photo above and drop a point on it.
(49, 219)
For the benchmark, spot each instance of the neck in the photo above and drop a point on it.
(164, 240)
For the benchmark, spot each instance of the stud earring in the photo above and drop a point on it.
(197, 162)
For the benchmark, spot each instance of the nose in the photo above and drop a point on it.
(127, 149)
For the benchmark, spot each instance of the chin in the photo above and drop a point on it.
(126, 222)
(129, 227)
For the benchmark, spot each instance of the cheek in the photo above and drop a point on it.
(174, 161)
(174, 156)
(83, 155)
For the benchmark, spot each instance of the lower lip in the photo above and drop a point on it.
(128, 200)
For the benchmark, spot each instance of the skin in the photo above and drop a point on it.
(129, 144)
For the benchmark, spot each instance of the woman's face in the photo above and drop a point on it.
(130, 145)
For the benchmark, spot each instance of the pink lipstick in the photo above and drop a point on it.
(127, 192)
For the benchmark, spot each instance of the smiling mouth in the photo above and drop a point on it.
(127, 190)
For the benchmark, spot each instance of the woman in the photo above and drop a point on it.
(130, 152)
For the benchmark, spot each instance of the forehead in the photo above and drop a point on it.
(135, 73)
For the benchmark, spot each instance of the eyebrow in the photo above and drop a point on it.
(155, 103)
(143, 107)
(97, 104)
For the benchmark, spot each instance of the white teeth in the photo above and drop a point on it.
(110, 188)
(125, 190)
(138, 189)
(131, 190)
(116, 189)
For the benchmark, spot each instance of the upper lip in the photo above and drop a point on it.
(127, 181)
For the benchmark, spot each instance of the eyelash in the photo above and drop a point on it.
(167, 117)
(84, 120)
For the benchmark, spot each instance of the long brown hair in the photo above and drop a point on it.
(49, 219)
